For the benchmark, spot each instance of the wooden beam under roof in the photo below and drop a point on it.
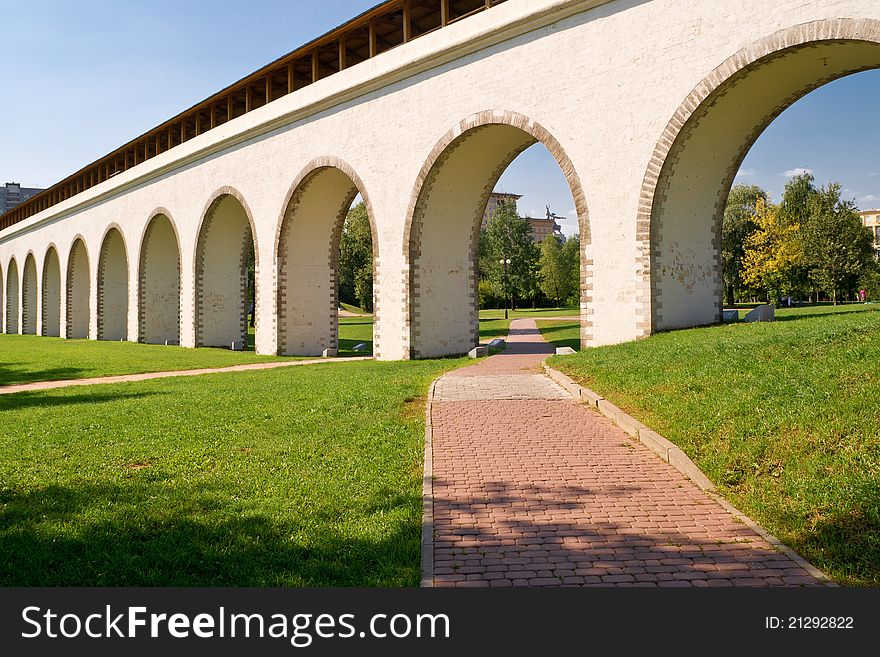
(178, 123)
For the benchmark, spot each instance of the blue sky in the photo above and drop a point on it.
(84, 77)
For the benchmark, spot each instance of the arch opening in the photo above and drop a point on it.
(680, 220)
(223, 284)
(51, 297)
(29, 296)
(308, 253)
(113, 288)
(78, 291)
(12, 300)
(159, 297)
(443, 233)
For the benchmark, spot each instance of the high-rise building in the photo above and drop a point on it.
(496, 199)
(12, 194)
(871, 221)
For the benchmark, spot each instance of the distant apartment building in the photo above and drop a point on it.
(12, 194)
(497, 199)
(871, 221)
(542, 227)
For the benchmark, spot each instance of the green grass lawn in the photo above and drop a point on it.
(29, 358)
(784, 417)
(295, 477)
(561, 333)
(529, 312)
(353, 331)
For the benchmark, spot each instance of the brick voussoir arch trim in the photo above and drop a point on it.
(839, 29)
(291, 200)
(435, 159)
(206, 216)
(160, 211)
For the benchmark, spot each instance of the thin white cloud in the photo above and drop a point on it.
(791, 173)
(874, 173)
(572, 213)
(868, 198)
(746, 173)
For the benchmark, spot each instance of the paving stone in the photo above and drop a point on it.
(559, 495)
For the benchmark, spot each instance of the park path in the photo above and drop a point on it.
(532, 488)
(147, 376)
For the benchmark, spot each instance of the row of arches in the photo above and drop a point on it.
(674, 276)
(306, 273)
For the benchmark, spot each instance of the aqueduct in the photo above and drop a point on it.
(647, 106)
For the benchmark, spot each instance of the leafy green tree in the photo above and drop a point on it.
(508, 237)
(356, 259)
(737, 224)
(571, 256)
(554, 274)
(837, 248)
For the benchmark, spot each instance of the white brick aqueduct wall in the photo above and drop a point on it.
(649, 107)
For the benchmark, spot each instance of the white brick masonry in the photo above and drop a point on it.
(648, 106)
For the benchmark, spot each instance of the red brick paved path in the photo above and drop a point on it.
(533, 489)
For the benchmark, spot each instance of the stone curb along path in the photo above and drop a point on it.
(147, 376)
(504, 505)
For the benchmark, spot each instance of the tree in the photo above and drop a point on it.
(774, 253)
(837, 248)
(554, 275)
(737, 224)
(509, 237)
(571, 256)
(356, 259)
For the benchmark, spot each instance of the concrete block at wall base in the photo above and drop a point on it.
(478, 352)
(330, 353)
(565, 351)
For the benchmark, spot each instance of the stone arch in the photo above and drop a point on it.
(307, 250)
(12, 297)
(51, 294)
(694, 163)
(221, 304)
(159, 281)
(29, 285)
(448, 201)
(78, 290)
(112, 280)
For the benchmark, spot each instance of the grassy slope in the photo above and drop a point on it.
(783, 417)
(303, 476)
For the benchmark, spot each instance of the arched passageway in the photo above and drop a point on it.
(159, 298)
(12, 297)
(442, 233)
(308, 257)
(222, 254)
(51, 296)
(29, 296)
(113, 288)
(694, 163)
(78, 290)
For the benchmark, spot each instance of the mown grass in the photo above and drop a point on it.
(783, 417)
(296, 477)
(529, 313)
(29, 358)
